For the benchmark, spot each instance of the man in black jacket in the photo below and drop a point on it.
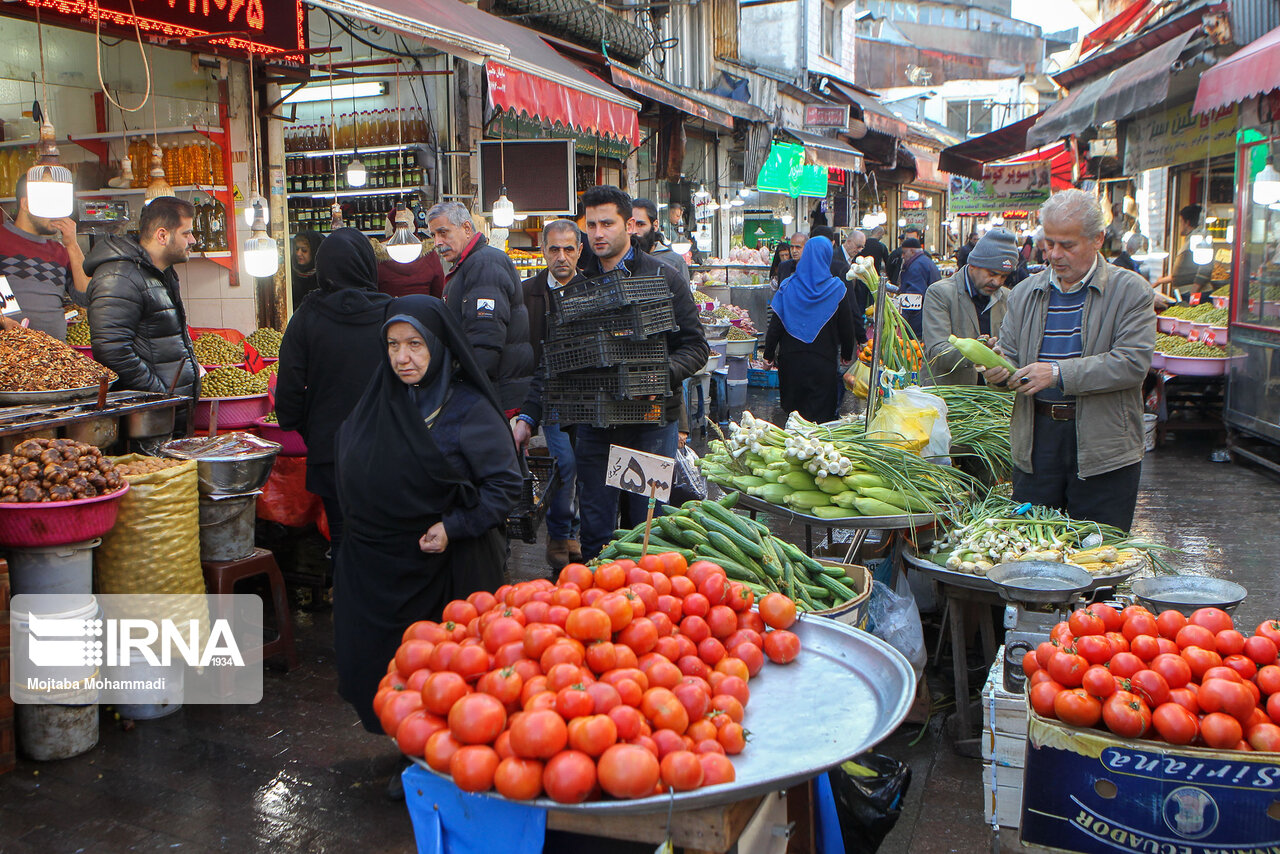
(877, 250)
(138, 322)
(608, 212)
(483, 291)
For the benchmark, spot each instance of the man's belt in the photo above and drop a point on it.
(1057, 411)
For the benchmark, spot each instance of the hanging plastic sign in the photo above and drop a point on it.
(8, 302)
(635, 471)
(1195, 299)
(1209, 338)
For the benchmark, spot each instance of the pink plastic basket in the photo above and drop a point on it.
(291, 443)
(56, 523)
(1196, 366)
(234, 413)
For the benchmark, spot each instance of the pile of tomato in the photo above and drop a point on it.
(1184, 680)
(628, 678)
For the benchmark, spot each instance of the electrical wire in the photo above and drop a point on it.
(146, 66)
(338, 19)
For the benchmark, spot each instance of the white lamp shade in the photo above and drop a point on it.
(403, 247)
(1201, 246)
(680, 247)
(1266, 187)
(356, 174)
(261, 255)
(504, 212)
(785, 219)
(50, 192)
(255, 199)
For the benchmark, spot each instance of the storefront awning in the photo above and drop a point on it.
(1062, 164)
(703, 105)
(524, 72)
(968, 157)
(825, 151)
(1129, 89)
(1252, 70)
(875, 115)
(927, 167)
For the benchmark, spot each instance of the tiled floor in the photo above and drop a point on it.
(297, 773)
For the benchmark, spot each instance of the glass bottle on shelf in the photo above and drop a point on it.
(218, 225)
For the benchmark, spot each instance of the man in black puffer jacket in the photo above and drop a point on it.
(138, 323)
(483, 292)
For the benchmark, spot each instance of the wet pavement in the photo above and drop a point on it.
(297, 773)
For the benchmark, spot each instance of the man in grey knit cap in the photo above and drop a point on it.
(970, 303)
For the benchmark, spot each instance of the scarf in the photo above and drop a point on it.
(345, 259)
(808, 298)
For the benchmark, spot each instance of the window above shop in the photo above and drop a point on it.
(969, 117)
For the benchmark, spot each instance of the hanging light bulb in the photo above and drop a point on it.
(252, 204)
(335, 216)
(702, 192)
(504, 212)
(1201, 246)
(158, 186)
(261, 255)
(520, 217)
(785, 219)
(403, 247)
(49, 185)
(1266, 187)
(356, 174)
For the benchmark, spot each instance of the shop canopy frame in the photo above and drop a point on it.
(715, 109)
(523, 72)
(826, 151)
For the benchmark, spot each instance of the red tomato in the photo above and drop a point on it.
(1068, 669)
(1135, 609)
(1099, 682)
(1125, 664)
(1242, 665)
(1265, 736)
(415, 729)
(1077, 707)
(741, 597)
(440, 749)
(1095, 648)
(1268, 679)
(1045, 651)
(714, 587)
(751, 655)
(573, 702)
(664, 710)
(695, 699)
(628, 771)
(1262, 651)
(781, 646)
(1060, 634)
(504, 684)
(1175, 724)
(641, 635)
(570, 776)
(1221, 731)
(1273, 707)
(1167, 645)
(1170, 622)
(1029, 663)
(1269, 629)
(1224, 695)
(1145, 647)
(1185, 697)
(1195, 635)
(732, 737)
(441, 690)
(1038, 677)
(628, 721)
(477, 719)
(459, 611)
(1082, 622)
(604, 697)
(1200, 660)
(1214, 619)
(722, 621)
(1229, 642)
(1043, 696)
(1138, 624)
(728, 705)
(777, 611)
(681, 770)
(1151, 687)
(1119, 643)
(1111, 618)
(1126, 715)
(1173, 668)
(518, 779)
(396, 708)
(697, 605)
(592, 734)
(473, 766)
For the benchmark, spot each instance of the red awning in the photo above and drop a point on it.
(1252, 70)
(515, 89)
(1061, 163)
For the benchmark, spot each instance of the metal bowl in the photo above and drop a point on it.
(150, 422)
(1039, 581)
(1186, 593)
(230, 474)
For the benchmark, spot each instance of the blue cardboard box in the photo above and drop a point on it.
(1089, 791)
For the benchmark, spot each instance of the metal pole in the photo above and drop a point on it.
(873, 386)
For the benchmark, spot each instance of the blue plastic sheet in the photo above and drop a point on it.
(447, 820)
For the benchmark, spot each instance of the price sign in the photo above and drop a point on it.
(8, 302)
(1195, 299)
(638, 472)
(1208, 337)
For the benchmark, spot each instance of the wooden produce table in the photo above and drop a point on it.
(777, 822)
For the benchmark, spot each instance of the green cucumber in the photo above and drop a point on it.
(728, 500)
(721, 543)
(842, 593)
(752, 549)
(733, 520)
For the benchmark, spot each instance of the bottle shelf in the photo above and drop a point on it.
(364, 149)
(343, 194)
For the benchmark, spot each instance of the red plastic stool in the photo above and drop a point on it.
(221, 577)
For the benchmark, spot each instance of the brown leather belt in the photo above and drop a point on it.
(1057, 411)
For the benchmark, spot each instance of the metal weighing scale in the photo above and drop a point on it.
(1040, 595)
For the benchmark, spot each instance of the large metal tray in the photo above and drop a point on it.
(55, 396)
(980, 582)
(916, 521)
(844, 694)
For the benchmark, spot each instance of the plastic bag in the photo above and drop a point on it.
(869, 807)
(689, 484)
(284, 499)
(915, 420)
(894, 619)
(858, 378)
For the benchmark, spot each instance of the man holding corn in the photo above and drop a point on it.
(1080, 335)
(970, 303)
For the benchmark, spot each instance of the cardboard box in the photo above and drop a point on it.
(1088, 791)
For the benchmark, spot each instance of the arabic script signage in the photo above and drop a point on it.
(826, 116)
(258, 26)
(1178, 136)
(1002, 187)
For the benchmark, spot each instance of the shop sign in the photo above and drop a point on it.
(916, 217)
(255, 26)
(785, 171)
(1178, 136)
(1004, 186)
(826, 116)
(912, 204)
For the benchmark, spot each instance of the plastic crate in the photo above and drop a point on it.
(601, 350)
(604, 411)
(622, 381)
(636, 322)
(584, 297)
(541, 482)
(760, 378)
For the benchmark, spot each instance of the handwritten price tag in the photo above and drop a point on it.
(1208, 337)
(1195, 299)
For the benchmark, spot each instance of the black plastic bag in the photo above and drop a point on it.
(689, 483)
(869, 806)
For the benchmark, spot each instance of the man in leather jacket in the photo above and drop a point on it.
(135, 311)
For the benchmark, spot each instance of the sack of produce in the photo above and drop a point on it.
(155, 544)
(915, 420)
(869, 792)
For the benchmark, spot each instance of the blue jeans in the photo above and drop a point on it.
(598, 503)
(562, 514)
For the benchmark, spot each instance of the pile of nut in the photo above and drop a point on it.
(55, 470)
(146, 465)
(30, 360)
(213, 349)
(266, 342)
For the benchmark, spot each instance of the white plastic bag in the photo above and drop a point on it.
(894, 619)
(912, 414)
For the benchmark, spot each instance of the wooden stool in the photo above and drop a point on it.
(221, 577)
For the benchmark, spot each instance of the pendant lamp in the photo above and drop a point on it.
(261, 254)
(403, 247)
(49, 184)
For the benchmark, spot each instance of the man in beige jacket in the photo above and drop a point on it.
(969, 303)
(1081, 334)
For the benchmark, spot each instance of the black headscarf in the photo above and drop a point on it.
(304, 278)
(345, 259)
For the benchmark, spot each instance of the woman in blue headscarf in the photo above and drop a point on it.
(812, 325)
